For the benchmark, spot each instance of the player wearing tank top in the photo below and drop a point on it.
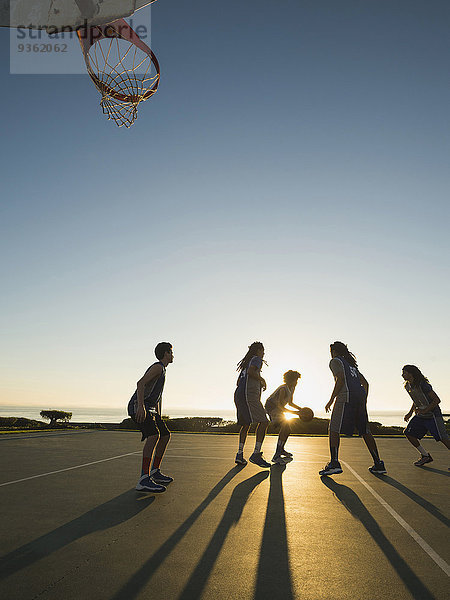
(349, 397)
(153, 390)
(428, 415)
(247, 399)
(352, 388)
(276, 406)
(144, 408)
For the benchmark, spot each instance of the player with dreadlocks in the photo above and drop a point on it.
(350, 409)
(247, 398)
(428, 415)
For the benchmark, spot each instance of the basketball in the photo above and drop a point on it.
(305, 414)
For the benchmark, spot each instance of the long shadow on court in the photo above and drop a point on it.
(355, 506)
(199, 578)
(132, 588)
(434, 470)
(431, 508)
(107, 515)
(274, 574)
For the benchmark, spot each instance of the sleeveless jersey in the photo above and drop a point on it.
(255, 361)
(152, 391)
(419, 395)
(352, 388)
(273, 403)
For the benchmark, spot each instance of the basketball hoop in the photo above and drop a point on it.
(122, 67)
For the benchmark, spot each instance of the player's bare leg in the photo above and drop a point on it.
(261, 433)
(145, 483)
(281, 456)
(257, 457)
(335, 440)
(371, 446)
(334, 466)
(243, 432)
(378, 467)
(147, 453)
(425, 457)
(155, 472)
(159, 451)
(414, 441)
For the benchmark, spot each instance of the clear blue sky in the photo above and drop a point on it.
(289, 183)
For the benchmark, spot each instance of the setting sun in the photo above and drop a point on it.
(289, 416)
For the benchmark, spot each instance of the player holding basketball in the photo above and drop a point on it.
(428, 415)
(144, 408)
(350, 409)
(247, 399)
(276, 406)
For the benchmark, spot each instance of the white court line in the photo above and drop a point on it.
(412, 532)
(95, 462)
(17, 436)
(422, 543)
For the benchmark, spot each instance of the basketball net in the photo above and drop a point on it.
(122, 67)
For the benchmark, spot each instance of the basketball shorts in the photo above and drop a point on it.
(276, 417)
(420, 426)
(248, 406)
(153, 425)
(276, 414)
(348, 416)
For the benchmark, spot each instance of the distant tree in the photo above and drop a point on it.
(194, 423)
(56, 415)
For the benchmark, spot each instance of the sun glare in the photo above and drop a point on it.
(289, 416)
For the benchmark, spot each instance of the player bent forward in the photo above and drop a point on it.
(144, 408)
(276, 406)
(428, 415)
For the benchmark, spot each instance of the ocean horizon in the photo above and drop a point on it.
(117, 415)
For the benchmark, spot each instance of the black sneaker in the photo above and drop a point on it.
(145, 484)
(278, 459)
(424, 460)
(286, 454)
(257, 459)
(378, 468)
(240, 460)
(332, 468)
(160, 478)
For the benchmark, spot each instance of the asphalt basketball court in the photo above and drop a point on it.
(73, 527)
